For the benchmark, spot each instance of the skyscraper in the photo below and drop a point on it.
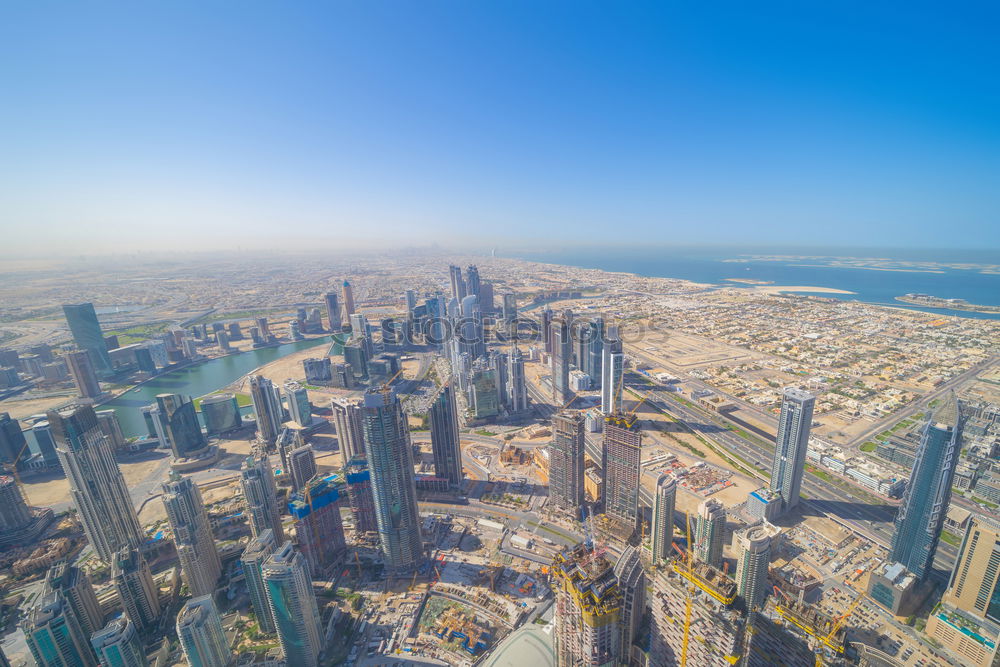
(350, 431)
(261, 497)
(181, 426)
(390, 460)
(319, 531)
(457, 284)
(622, 452)
(333, 315)
(257, 551)
(199, 629)
(753, 554)
(588, 610)
(445, 443)
(545, 329)
(566, 461)
(974, 586)
(75, 587)
(54, 635)
(517, 390)
(221, 413)
(267, 408)
(664, 500)
(96, 484)
(299, 406)
(349, 308)
(87, 334)
(612, 373)
(118, 645)
(925, 501)
(81, 367)
(632, 583)
(15, 515)
(472, 282)
(134, 583)
(710, 532)
(562, 353)
(791, 444)
(293, 606)
(509, 313)
(301, 466)
(12, 441)
(360, 495)
(192, 534)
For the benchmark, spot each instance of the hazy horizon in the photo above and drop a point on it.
(181, 126)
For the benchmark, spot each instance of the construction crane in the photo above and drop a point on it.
(690, 590)
(12, 467)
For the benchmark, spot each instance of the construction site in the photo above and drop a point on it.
(588, 607)
(789, 632)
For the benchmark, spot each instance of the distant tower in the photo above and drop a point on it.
(710, 532)
(260, 495)
(622, 452)
(562, 354)
(753, 553)
(545, 326)
(390, 459)
(54, 635)
(118, 645)
(791, 444)
(134, 583)
(253, 558)
(319, 531)
(612, 373)
(267, 408)
(664, 501)
(333, 315)
(299, 407)
(350, 432)
(632, 582)
(87, 334)
(472, 282)
(517, 390)
(82, 369)
(445, 443)
(293, 606)
(925, 501)
(509, 312)
(457, 284)
(349, 308)
(192, 534)
(566, 461)
(199, 629)
(181, 425)
(96, 484)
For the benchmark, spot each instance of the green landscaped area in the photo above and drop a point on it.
(140, 332)
(242, 400)
(869, 446)
(951, 538)
(243, 315)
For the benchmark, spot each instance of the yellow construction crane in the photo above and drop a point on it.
(12, 466)
(690, 590)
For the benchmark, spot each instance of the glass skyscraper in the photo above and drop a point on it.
(444, 437)
(791, 444)
(293, 606)
(390, 460)
(87, 334)
(199, 629)
(925, 502)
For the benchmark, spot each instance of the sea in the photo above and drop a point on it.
(951, 274)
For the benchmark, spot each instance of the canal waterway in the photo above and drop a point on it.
(197, 380)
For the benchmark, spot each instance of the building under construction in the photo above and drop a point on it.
(693, 619)
(790, 633)
(319, 531)
(588, 609)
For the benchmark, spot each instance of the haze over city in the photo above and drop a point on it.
(183, 125)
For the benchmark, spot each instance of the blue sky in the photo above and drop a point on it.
(216, 124)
